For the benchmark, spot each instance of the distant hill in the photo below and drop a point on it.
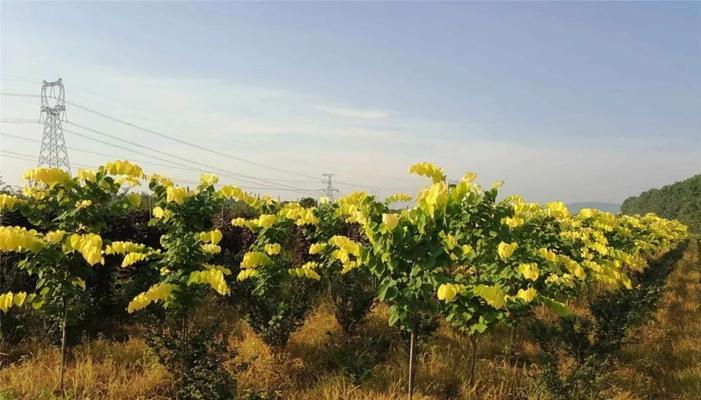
(680, 200)
(609, 207)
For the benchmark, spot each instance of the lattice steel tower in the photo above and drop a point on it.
(53, 151)
(329, 189)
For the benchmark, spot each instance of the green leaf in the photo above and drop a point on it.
(479, 327)
(557, 307)
(382, 293)
(393, 318)
(37, 303)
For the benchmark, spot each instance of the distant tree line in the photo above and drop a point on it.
(680, 200)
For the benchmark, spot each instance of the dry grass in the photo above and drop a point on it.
(665, 360)
(665, 363)
(100, 370)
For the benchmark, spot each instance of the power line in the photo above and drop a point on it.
(127, 123)
(184, 142)
(18, 121)
(74, 87)
(170, 164)
(115, 156)
(203, 148)
(18, 94)
(23, 157)
(173, 164)
(254, 179)
(151, 131)
(240, 176)
(30, 158)
(268, 185)
(33, 82)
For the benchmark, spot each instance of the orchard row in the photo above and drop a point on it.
(458, 252)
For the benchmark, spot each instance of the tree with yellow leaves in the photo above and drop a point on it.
(277, 278)
(186, 272)
(68, 214)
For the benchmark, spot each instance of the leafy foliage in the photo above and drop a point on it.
(458, 253)
(72, 212)
(275, 316)
(591, 339)
(680, 200)
(196, 362)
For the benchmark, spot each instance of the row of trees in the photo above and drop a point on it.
(459, 253)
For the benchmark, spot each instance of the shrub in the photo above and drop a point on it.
(195, 361)
(277, 314)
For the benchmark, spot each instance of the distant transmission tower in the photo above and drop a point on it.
(329, 189)
(53, 151)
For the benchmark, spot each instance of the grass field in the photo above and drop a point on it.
(661, 360)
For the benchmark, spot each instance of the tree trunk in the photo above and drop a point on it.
(510, 346)
(63, 345)
(186, 344)
(412, 357)
(473, 359)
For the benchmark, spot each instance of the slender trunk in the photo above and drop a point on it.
(186, 333)
(186, 344)
(473, 359)
(63, 345)
(510, 347)
(181, 335)
(412, 357)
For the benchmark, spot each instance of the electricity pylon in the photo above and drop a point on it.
(53, 151)
(329, 189)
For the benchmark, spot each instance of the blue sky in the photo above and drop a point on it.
(570, 101)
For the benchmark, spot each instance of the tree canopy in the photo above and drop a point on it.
(680, 200)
